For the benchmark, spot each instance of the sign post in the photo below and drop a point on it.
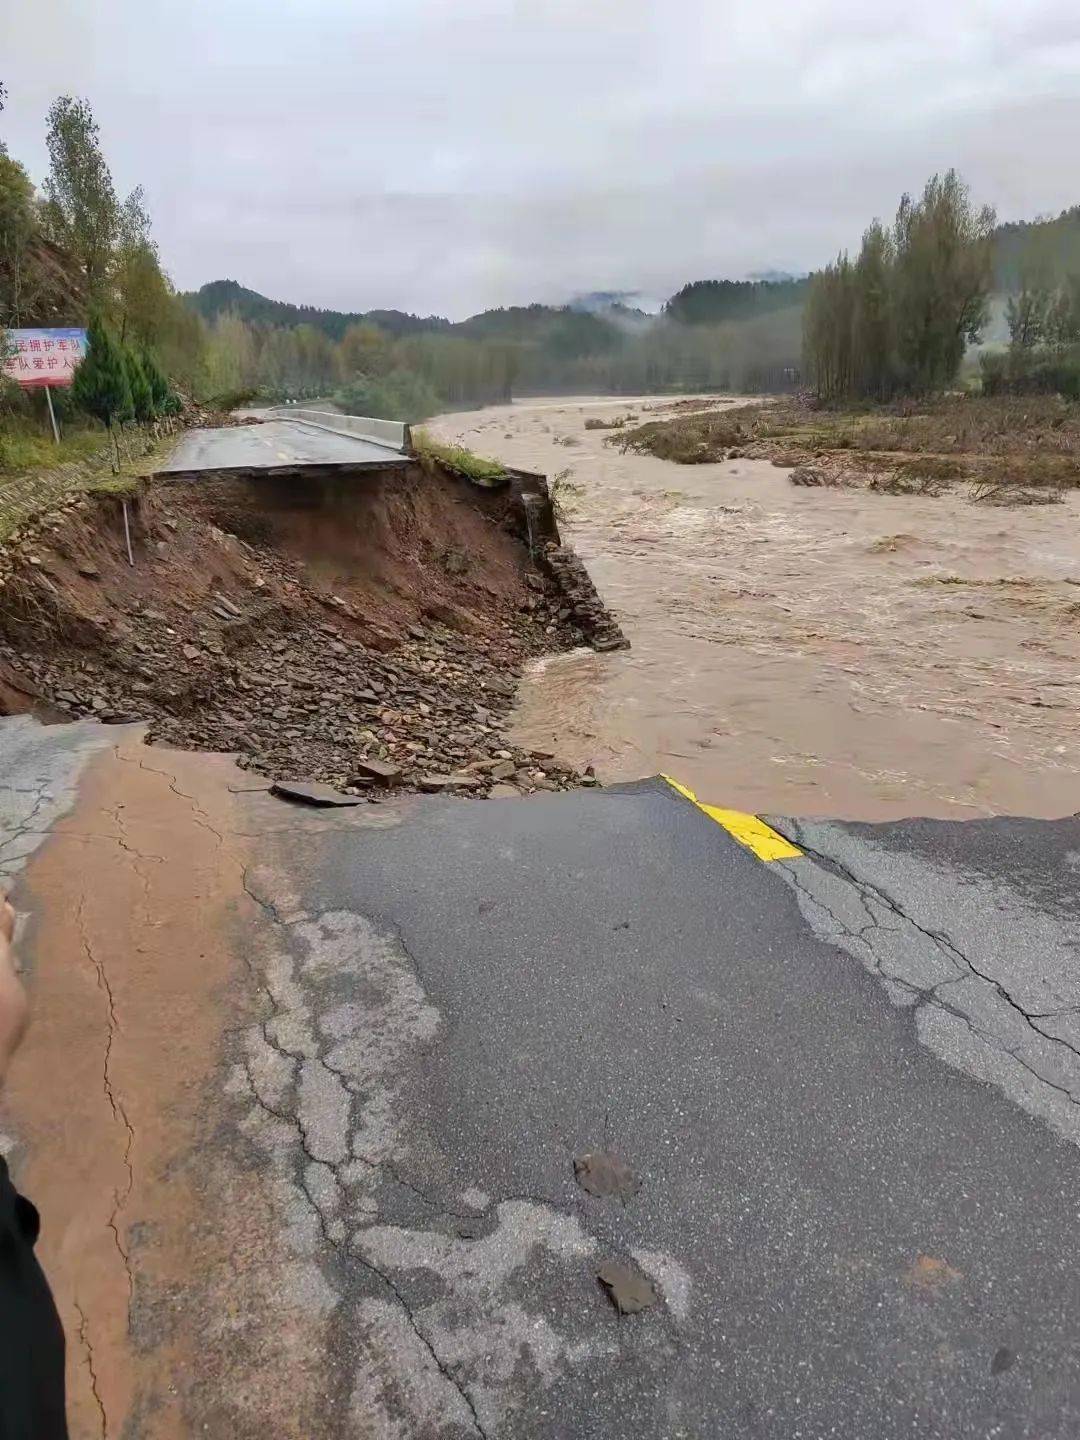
(45, 359)
(52, 414)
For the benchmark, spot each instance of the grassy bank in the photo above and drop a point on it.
(458, 459)
(1007, 450)
(25, 446)
(36, 474)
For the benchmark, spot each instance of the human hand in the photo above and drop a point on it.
(14, 1010)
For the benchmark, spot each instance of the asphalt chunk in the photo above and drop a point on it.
(601, 1172)
(627, 1289)
(310, 792)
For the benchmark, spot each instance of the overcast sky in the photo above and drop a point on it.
(448, 155)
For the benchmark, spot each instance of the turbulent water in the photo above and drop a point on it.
(805, 651)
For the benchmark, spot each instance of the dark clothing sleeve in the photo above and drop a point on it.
(31, 1336)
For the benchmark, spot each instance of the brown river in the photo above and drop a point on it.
(805, 651)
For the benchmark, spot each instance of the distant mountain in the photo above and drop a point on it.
(600, 302)
(709, 302)
(1045, 250)
(589, 325)
(220, 297)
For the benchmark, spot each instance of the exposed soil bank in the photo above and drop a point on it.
(806, 651)
(306, 624)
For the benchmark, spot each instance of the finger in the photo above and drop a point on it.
(7, 920)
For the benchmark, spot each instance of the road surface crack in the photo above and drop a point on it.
(292, 1119)
(198, 814)
(868, 893)
(435, 1206)
(414, 1325)
(26, 825)
(88, 1359)
(116, 1105)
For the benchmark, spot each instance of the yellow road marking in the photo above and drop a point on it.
(749, 830)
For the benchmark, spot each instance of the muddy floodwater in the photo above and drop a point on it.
(805, 652)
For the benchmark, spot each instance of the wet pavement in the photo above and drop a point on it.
(826, 1100)
(274, 446)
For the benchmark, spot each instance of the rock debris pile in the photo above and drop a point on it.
(226, 646)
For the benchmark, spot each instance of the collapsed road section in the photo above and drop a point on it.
(328, 618)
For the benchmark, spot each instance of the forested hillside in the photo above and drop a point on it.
(711, 302)
(384, 365)
(1046, 250)
(220, 297)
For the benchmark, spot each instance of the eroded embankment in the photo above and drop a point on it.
(308, 624)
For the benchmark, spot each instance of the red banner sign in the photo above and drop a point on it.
(43, 357)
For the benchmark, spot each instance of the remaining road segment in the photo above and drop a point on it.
(347, 1060)
(276, 447)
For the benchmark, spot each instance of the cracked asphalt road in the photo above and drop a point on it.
(846, 1082)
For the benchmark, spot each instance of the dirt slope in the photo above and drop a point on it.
(305, 625)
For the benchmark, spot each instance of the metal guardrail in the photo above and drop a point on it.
(393, 434)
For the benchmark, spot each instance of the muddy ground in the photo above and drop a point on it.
(823, 650)
(999, 451)
(366, 635)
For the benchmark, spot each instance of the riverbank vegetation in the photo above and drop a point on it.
(898, 318)
(1005, 449)
(1043, 356)
(457, 459)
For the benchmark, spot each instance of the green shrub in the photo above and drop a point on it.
(142, 396)
(1031, 372)
(155, 378)
(101, 387)
(401, 395)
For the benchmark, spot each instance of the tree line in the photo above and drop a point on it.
(895, 319)
(709, 302)
(491, 357)
(218, 296)
(1043, 356)
(78, 255)
(75, 252)
(899, 317)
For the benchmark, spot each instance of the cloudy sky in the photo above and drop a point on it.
(448, 155)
